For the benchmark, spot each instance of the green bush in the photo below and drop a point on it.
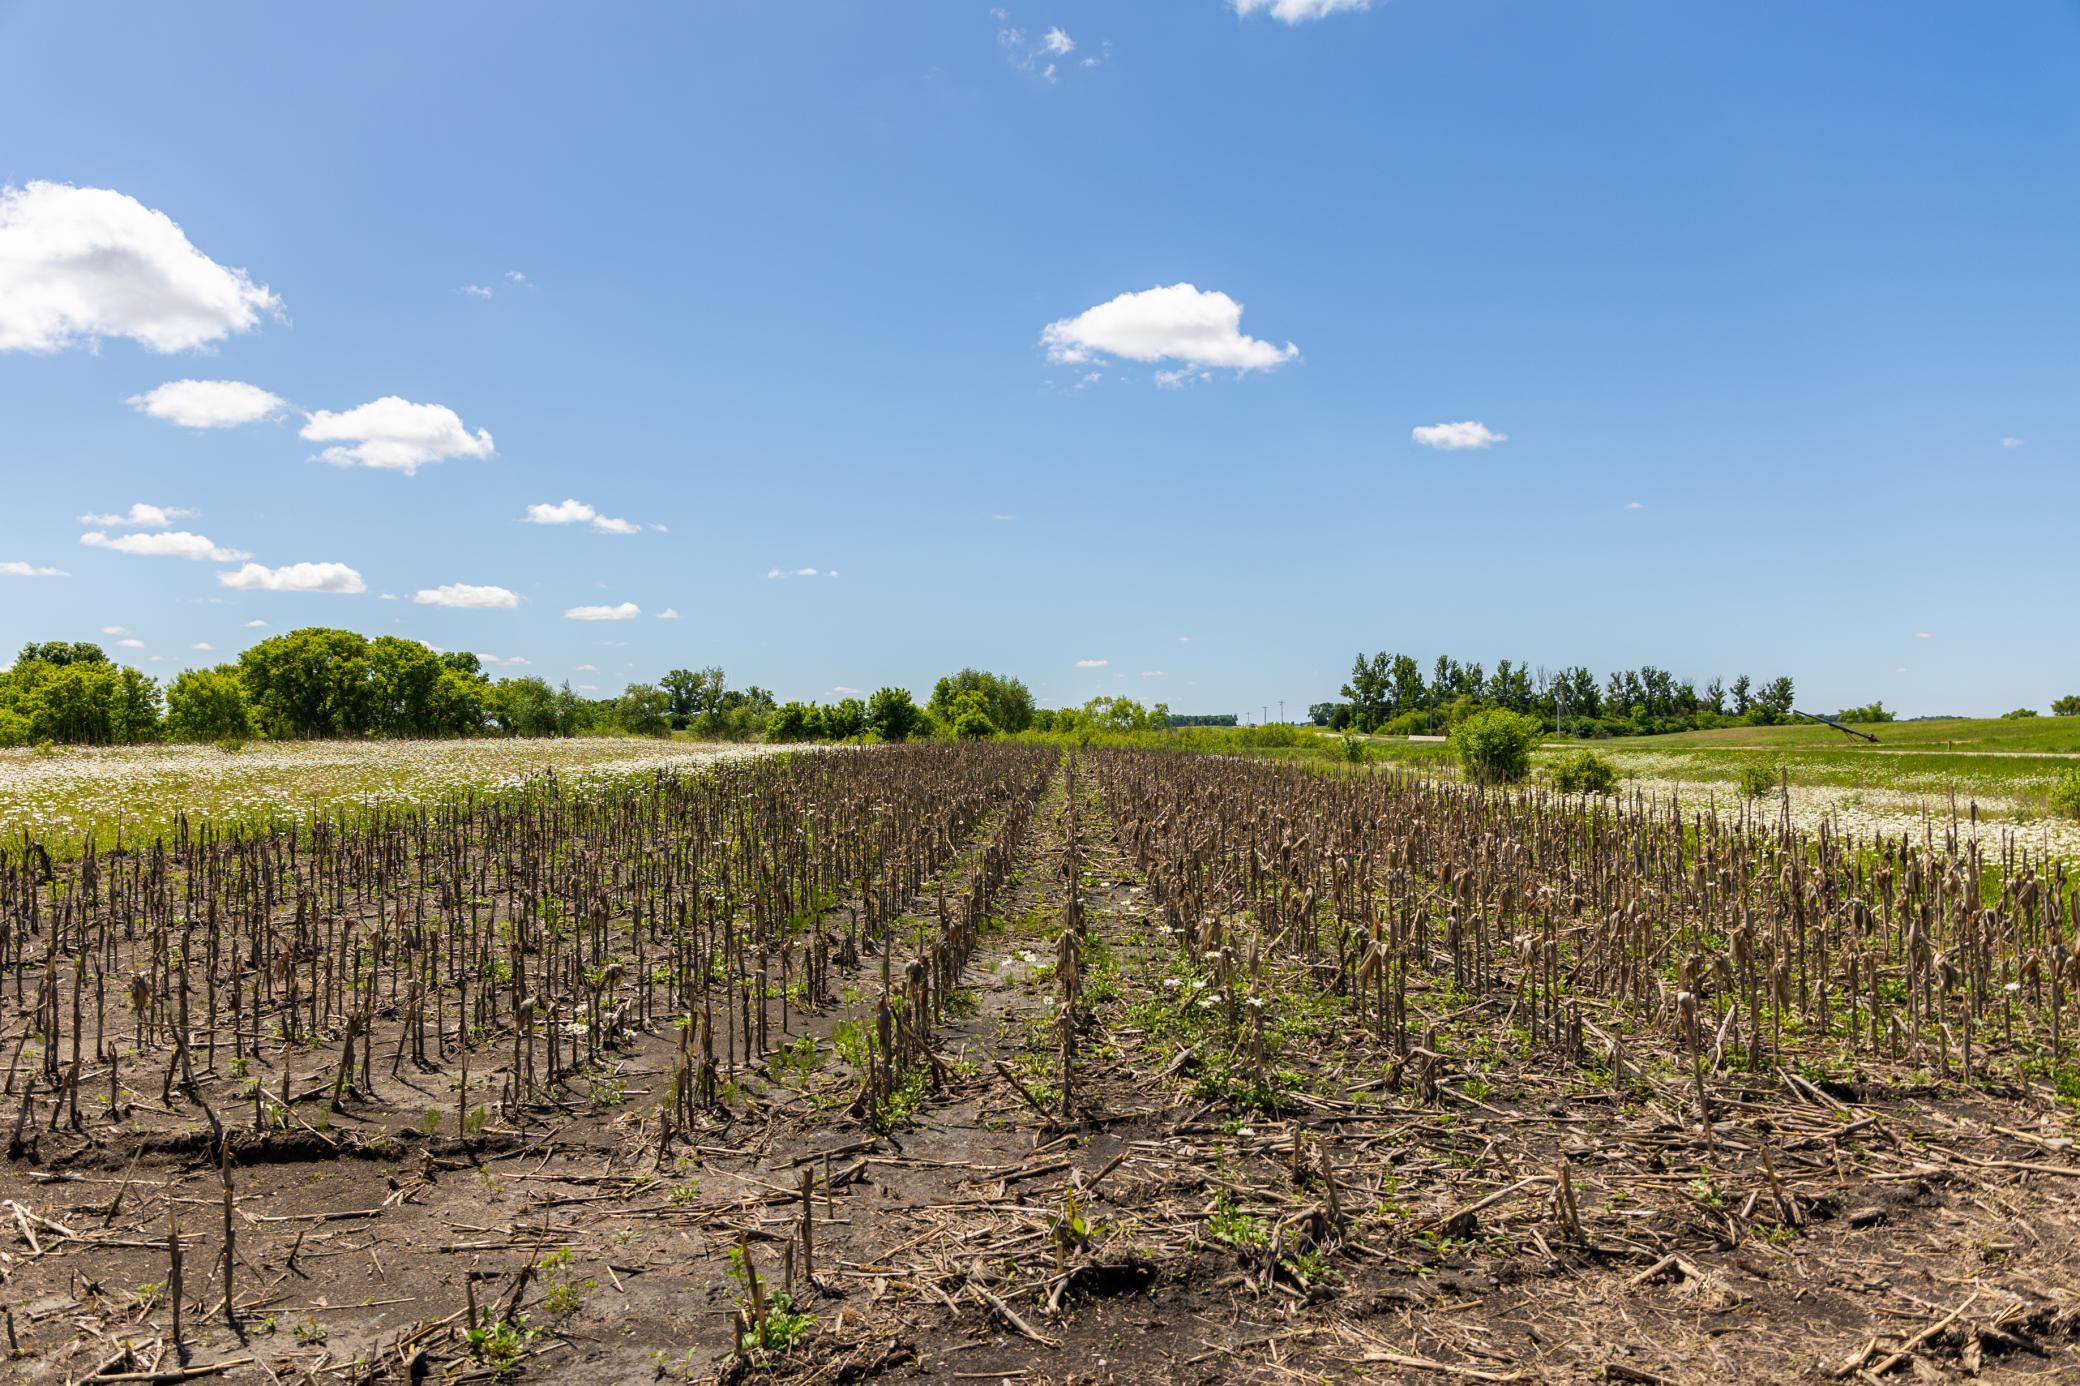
(1585, 772)
(1495, 746)
(1759, 778)
(892, 715)
(2065, 795)
(2018, 712)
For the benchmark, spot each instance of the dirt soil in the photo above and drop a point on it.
(1351, 1227)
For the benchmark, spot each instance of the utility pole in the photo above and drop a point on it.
(1281, 709)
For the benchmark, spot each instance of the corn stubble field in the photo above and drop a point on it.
(1004, 1062)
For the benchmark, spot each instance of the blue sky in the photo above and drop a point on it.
(1754, 295)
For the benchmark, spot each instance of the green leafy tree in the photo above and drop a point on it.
(643, 709)
(314, 682)
(402, 677)
(795, 721)
(208, 705)
(893, 715)
(524, 707)
(2066, 707)
(844, 719)
(59, 653)
(692, 693)
(80, 702)
(1007, 702)
(970, 717)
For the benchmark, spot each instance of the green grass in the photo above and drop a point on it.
(2033, 734)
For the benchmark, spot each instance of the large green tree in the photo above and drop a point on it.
(1007, 702)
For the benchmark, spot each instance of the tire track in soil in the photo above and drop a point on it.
(999, 1298)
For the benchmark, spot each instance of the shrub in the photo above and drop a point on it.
(2065, 794)
(1870, 712)
(1495, 746)
(1585, 772)
(2018, 712)
(1759, 778)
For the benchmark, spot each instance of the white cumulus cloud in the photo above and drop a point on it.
(577, 512)
(256, 624)
(1057, 42)
(208, 403)
(395, 435)
(165, 543)
(131, 644)
(1176, 322)
(15, 567)
(670, 613)
(139, 516)
(466, 595)
(202, 645)
(623, 612)
(294, 577)
(81, 264)
(1457, 437)
(1298, 11)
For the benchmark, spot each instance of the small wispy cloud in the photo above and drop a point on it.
(139, 516)
(577, 512)
(1635, 505)
(1151, 673)
(1045, 54)
(131, 644)
(1457, 437)
(256, 624)
(202, 645)
(1092, 663)
(801, 572)
(624, 611)
(15, 567)
(467, 595)
(1921, 635)
(2012, 442)
(169, 543)
(670, 613)
(1298, 11)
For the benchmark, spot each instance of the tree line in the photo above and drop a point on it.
(1388, 693)
(321, 682)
